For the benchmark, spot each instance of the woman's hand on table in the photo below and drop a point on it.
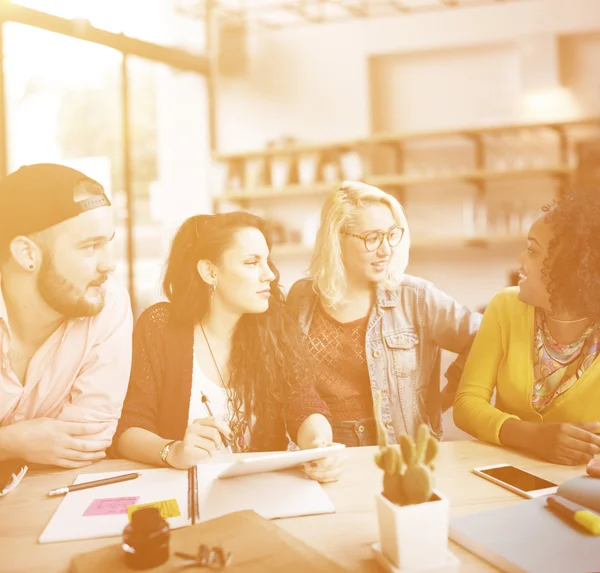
(558, 443)
(593, 468)
(324, 470)
(568, 444)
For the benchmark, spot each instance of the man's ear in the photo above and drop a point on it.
(207, 272)
(26, 253)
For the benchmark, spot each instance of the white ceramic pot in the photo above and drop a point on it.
(414, 536)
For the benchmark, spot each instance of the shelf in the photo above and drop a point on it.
(391, 164)
(556, 171)
(468, 176)
(383, 181)
(300, 250)
(395, 138)
(474, 132)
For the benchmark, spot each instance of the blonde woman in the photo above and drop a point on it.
(370, 327)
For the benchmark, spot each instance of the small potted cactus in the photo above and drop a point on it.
(413, 516)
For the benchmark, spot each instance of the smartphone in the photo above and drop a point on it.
(517, 480)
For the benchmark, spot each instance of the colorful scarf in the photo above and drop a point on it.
(557, 367)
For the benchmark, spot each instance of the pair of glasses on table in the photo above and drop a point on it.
(11, 474)
(215, 558)
(374, 239)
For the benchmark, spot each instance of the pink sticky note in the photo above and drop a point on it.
(110, 506)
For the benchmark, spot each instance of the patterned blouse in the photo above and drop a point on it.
(557, 367)
(341, 371)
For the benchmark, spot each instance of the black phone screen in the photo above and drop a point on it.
(518, 478)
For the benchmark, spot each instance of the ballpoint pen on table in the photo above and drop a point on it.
(95, 483)
(206, 403)
(575, 512)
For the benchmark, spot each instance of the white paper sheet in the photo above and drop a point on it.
(272, 495)
(68, 522)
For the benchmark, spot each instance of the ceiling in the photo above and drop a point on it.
(287, 13)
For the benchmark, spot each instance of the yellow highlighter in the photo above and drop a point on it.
(587, 519)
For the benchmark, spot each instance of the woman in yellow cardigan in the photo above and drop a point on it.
(538, 344)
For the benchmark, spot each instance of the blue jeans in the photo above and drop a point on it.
(354, 433)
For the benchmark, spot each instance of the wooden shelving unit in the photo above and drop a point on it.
(385, 181)
(395, 178)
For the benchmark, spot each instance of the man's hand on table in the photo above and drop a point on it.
(53, 442)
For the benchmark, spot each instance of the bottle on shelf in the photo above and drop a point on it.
(351, 166)
(307, 168)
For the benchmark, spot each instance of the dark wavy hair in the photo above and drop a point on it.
(572, 267)
(267, 353)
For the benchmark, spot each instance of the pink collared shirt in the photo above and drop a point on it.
(79, 374)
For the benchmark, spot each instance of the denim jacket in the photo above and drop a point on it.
(406, 329)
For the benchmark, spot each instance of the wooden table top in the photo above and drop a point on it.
(345, 536)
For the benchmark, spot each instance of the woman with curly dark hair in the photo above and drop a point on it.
(538, 344)
(223, 337)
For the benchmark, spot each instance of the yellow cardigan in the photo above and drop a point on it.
(501, 359)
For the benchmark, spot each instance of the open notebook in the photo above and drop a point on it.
(103, 511)
(528, 538)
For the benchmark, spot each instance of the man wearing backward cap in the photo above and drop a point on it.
(65, 325)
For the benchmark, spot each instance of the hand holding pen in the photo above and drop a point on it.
(201, 441)
(206, 403)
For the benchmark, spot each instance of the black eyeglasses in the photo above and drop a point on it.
(374, 239)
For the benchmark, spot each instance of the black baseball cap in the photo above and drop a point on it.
(37, 197)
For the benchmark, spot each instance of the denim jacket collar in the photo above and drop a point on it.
(386, 298)
(383, 299)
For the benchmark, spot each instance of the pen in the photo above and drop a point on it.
(193, 503)
(197, 500)
(95, 483)
(206, 403)
(574, 512)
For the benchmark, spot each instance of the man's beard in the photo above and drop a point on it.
(59, 293)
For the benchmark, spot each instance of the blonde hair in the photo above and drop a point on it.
(327, 267)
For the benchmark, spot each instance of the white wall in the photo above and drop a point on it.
(434, 70)
(313, 82)
(444, 89)
(580, 68)
(299, 82)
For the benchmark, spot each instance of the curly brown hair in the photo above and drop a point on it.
(572, 267)
(267, 360)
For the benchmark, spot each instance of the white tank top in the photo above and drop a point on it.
(216, 395)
